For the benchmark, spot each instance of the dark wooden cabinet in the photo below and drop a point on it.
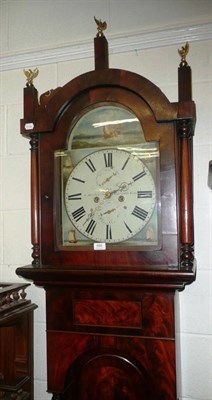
(110, 302)
(16, 343)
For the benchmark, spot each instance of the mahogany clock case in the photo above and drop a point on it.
(110, 313)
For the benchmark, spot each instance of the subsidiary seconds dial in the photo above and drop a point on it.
(110, 196)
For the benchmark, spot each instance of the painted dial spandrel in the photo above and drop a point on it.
(110, 196)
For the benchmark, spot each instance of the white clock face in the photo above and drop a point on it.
(110, 196)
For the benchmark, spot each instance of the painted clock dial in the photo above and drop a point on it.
(110, 196)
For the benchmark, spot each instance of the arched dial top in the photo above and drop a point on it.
(110, 195)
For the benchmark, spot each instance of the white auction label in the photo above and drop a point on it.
(29, 126)
(99, 246)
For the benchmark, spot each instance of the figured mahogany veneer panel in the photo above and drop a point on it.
(111, 377)
(71, 357)
(120, 312)
(107, 312)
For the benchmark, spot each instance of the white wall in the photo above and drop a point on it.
(30, 26)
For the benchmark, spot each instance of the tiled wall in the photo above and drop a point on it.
(195, 303)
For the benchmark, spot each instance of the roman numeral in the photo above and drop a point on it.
(138, 176)
(76, 196)
(140, 213)
(128, 228)
(91, 226)
(125, 163)
(90, 165)
(78, 180)
(144, 194)
(108, 160)
(108, 232)
(78, 214)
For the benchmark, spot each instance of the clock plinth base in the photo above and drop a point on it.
(113, 344)
(107, 339)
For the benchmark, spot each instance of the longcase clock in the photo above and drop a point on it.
(112, 228)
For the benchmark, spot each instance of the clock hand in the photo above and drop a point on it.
(96, 209)
(123, 187)
(90, 215)
(109, 178)
(109, 211)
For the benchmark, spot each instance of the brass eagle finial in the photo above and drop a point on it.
(183, 53)
(101, 26)
(31, 75)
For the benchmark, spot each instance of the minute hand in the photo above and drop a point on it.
(122, 188)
